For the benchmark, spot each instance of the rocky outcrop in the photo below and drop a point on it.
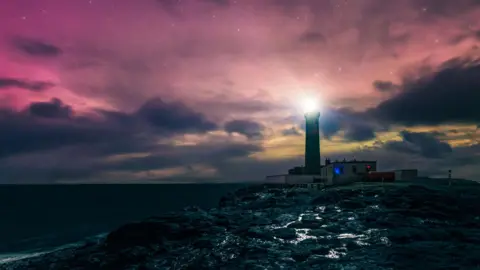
(396, 226)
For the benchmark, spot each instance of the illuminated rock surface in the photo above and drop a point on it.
(425, 225)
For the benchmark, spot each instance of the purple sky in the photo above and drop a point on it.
(209, 90)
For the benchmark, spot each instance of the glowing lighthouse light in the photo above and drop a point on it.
(309, 105)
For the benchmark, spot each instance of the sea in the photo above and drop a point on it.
(37, 219)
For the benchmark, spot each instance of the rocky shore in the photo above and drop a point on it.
(416, 225)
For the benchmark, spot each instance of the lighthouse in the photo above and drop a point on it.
(312, 142)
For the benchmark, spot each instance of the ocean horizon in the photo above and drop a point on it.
(38, 218)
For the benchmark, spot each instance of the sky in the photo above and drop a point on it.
(119, 91)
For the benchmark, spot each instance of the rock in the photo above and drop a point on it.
(318, 232)
(260, 233)
(300, 256)
(139, 234)
(261, 221)
(286, 233)
(411, 226)
(203, 243)
(352, 204)
(326, 198)
(285, 218)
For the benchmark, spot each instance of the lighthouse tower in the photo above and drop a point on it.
(312, 143)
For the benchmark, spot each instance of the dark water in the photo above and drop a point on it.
(45, 216)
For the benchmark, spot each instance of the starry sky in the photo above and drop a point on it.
(118, 91)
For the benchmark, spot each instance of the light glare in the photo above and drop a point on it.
(309, 105)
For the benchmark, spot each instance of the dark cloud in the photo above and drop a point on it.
(52, 109)
(385, 86)
(22, 134)
(242, 171)
(174, 117)
(232, 150)
(165, 156)
(224, 106)
(360, 132)
(67, 165)
(329, 125)
(52, 125)
(445, 7)
(313, 37)
(423, 143)
(455, 40)
(171, 7)
(169, 156)
(250, 129)
(466, 35)
(35, 86)
(36, 47)
(218, 2)
(356, 126)
(477, 34)
(293, 131)
(449, 94)
(317, 7)
(23, 170)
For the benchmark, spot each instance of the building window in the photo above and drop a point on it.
(368, 168)
(338, 170)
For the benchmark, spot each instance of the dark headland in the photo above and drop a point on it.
(421, 224)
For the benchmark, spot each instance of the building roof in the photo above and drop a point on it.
(351, 161)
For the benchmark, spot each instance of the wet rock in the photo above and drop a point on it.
(373, 228)
(300, 256)
(203, 243)
(352, 204)
(326, 198)
(286, 233)
(310, 218)
(319, 232)
(140, 234)
(260, 233)
(261, 221)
